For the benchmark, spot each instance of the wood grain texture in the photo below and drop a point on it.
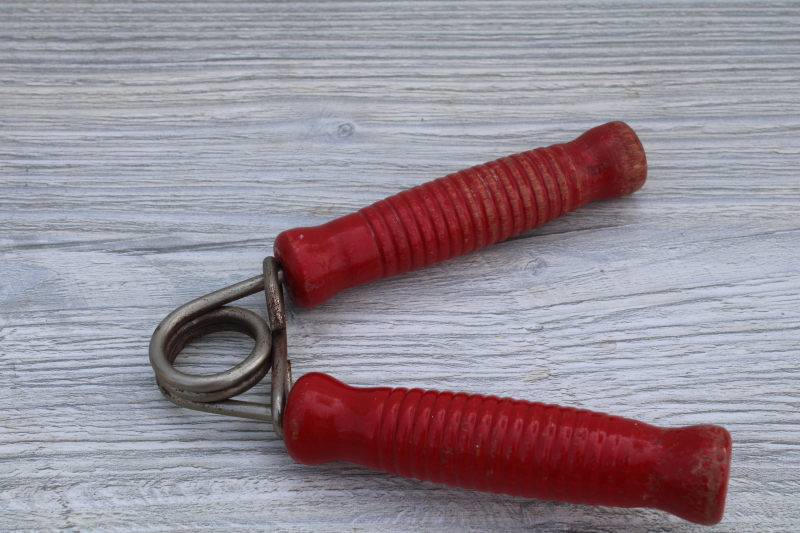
(150, 152)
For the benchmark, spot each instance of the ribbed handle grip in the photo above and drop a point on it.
(460, 213)
(511, 447)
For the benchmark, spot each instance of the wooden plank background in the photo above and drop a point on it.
(151, 151)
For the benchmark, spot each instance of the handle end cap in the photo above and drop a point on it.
(614, 159)
(695, 470)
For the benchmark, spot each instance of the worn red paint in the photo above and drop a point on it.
(460, 213)
(511, 447)
(484, 442)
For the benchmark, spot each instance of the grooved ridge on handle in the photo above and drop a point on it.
(500, 445)
(473, 208)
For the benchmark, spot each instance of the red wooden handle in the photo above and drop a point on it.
(460, 213)
(511, 447)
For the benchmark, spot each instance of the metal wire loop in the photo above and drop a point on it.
(209, 314)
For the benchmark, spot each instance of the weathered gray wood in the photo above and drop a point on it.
(150, 152)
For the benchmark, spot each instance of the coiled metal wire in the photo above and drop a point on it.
(209, 314)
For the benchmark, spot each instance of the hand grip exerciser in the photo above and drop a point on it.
(486, 443)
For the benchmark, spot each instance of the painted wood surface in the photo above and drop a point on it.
(151, 152)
